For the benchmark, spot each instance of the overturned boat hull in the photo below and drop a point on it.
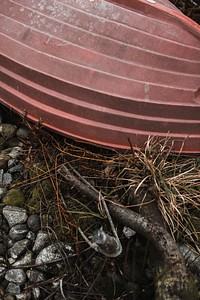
(107, 72)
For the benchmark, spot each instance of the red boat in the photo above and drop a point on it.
(103, 71)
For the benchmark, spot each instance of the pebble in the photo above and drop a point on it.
(19, 248)
(24, 261)
(41, 239)
(16, 276)
(3, 191)
(18, 232)
(17, 168)
(22, 133)
(35, 276)
(13, 288)
(2, 271)
(14, 215)
(7, 178)
(51, 253)
(34, 223)
(8, 130)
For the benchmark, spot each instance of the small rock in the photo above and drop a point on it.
(30, 236)
(2, 249)
(35, 276)
(41, 239)
(36, 293)
(11, 260)
(3, 191)
(51, 253)
(34, 223)
(8, 130)
(7, 178)
(14, 215)
(12, 152)
(16, 276)
(2, 272)
(17, 168)
(18, 232)
(12, 162)
(1, 176)
(19, 248)
(13, 288)
(24, 296)
(22, 133)
(24, 261)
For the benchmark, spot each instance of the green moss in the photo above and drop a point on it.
(14, 197)
(42, 191)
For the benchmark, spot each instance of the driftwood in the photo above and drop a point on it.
(173, 282)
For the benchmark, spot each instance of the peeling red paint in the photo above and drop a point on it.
(103, 71)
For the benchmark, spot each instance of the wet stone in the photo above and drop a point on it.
(19, 248)
(41, 239)
(16, 276)
(13, 288)
(14, 215)
(34, 223)
(18, 232)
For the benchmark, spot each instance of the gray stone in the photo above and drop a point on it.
(14, 215)
(1, 176)
(17, 168)
(1, 219)
(19, 248)
(36, 293)
(8, 130)
(51, 253)
(3, 191)
(24, 296)
(12, 152)
(30, 236)
(13, 288)
(2, 249)
(2, 271)
(16, 276)
(41, 239)
(11, 260)
(24, 261)
(22, 133)
(7, 178)
(34, 222)
(35, 275)
(18, 232)
(12, 162)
